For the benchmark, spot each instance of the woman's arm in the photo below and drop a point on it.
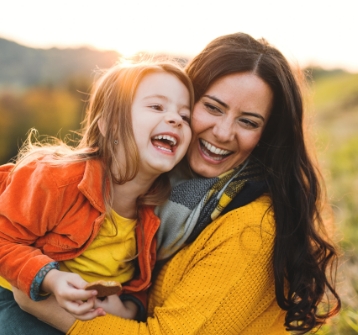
(221, 284)
(47, 310)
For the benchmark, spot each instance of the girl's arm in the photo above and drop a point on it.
(28, 211)
(39, 209)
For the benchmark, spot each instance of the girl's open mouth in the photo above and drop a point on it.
(165, 142)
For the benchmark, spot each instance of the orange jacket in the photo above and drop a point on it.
(53, 213)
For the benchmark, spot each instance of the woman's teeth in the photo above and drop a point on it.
(213, 149)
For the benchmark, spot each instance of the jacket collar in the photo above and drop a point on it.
(91, 184)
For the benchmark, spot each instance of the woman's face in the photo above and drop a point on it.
(227, 123)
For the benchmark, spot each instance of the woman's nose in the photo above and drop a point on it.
(223, 130)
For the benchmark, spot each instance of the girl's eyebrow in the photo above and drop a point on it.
(156, 96)
(259, 116)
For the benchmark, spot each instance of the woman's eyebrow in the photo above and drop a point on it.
(217, 100)
(254, 115)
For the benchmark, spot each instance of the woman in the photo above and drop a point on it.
(256, 264)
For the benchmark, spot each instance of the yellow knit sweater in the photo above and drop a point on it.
(222, 283)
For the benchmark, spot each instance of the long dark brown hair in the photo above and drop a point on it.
(304, 259)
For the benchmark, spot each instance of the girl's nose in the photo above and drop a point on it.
(174, 119)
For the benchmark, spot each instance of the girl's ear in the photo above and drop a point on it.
(102, 126)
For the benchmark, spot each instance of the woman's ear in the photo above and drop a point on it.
(102, 126)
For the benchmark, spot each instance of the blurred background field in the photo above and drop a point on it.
(47, 90)
(335, 102)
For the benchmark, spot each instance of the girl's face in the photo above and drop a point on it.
(161, 122)
(228, 122)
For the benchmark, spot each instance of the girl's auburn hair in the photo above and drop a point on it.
(110, 100)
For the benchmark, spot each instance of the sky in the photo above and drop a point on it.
(308, 32)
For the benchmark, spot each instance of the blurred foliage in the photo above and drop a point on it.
(335, 124)
(317, 72)
(51, 111)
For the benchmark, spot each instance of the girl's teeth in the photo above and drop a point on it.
(168, 138)
(165, 149)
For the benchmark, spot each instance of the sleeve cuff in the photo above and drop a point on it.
(35, 291)
(142, 313)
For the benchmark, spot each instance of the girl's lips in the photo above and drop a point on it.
(206, 149)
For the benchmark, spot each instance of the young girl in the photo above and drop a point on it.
(71, 216)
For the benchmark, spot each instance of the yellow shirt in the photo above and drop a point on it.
(222, 283)
(111, 254)
(5, 284)
(109, 257)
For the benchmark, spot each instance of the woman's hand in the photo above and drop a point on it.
(68, 289)
(113, 305)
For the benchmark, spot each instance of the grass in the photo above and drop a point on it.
(335, 124)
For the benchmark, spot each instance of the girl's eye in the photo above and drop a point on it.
(156, 107)
(186, 118)
(248, 123)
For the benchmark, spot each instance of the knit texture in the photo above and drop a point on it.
(222, 283)
(196, 201)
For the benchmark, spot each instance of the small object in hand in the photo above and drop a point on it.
(105, 288)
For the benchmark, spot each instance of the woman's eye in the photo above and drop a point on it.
(248, 123)
(212, 108)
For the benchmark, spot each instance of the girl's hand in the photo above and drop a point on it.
(68, 289)
(113, 305)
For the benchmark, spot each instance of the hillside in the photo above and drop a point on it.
(23, 67)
